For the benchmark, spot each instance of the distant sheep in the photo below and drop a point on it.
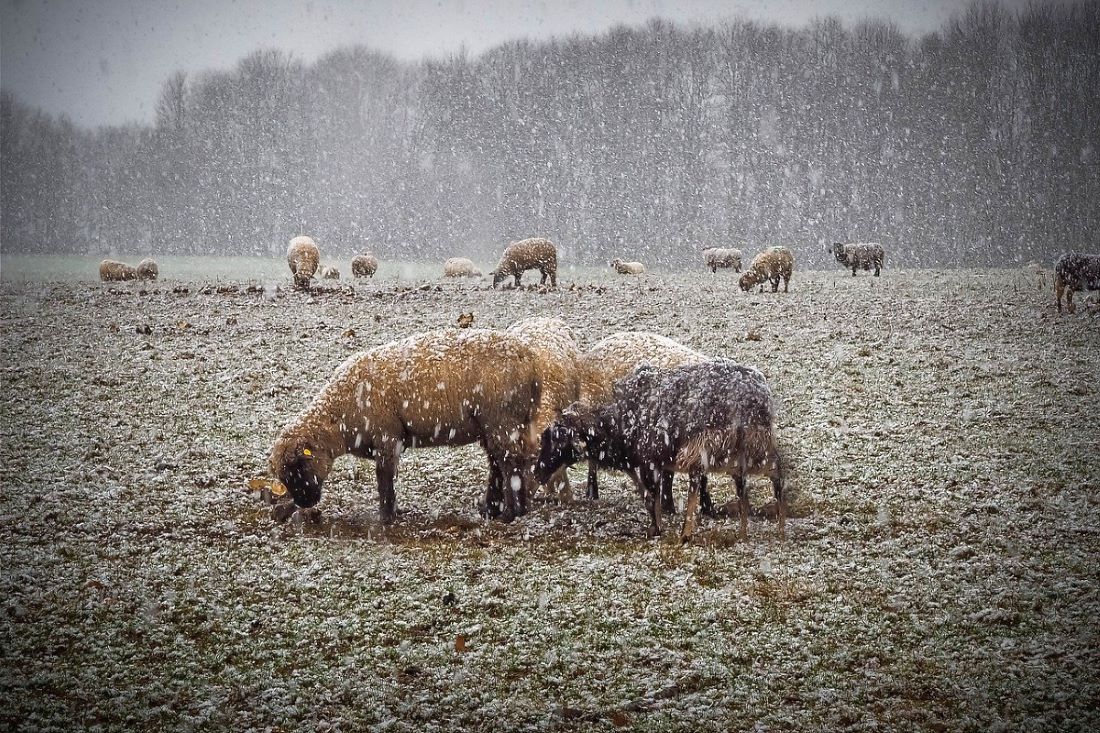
(716, 257)
(147, 269)
(1075, 272)
(330, 273)
(859, 255)
(451, 387)
(695, 419)
(627, 268)
(113, 271)
(613, 358)
(460, 267)
(773, 264)
(528, 254)
(303, 257)
(364, 265)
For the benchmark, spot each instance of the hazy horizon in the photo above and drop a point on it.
(104, 63)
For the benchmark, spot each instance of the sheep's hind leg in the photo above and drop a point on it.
(668, 502)
(690, 510)
(652, 503)
(743, 503)
(387, 501)
(705, 502)
(593, 491)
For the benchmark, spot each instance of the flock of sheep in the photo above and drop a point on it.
(634, 402)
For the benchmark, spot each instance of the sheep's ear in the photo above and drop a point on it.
(259, 483)
(278, 488)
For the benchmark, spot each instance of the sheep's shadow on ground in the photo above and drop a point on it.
(546, 522)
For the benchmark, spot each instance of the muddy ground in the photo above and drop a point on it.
(940, 573)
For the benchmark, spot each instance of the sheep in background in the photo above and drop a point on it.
(695, 419)
(627, 268)
(460, 267)
(364, 265)
(858, 255)
(450, 387)
(147, 269)
(113, 271)
(528, 254)
(303, 257)
(1075, 272)
(716, 257)
(772, 264)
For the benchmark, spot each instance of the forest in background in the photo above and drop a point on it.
(975, 145)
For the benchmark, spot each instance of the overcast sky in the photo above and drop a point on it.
(103, 61)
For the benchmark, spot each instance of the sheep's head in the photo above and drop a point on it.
(498, 276)
(301, 467)
(565, 441)
(749, 279)
(837, 250)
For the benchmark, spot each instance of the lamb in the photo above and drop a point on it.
(859, 255)
(627, 268)
(303, 257)
(716, 257)
(364, 265)
(1075, 272)
(460, 267)
(613, 358)
(450, 387)
(772, 264)
(528, 254)
(114, 271)
(147, 269)
(695, 419)
(330, 273)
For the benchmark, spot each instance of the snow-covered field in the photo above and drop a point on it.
(940, 573)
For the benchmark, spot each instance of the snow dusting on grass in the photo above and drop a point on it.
(940, 571)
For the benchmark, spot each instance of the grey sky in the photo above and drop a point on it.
(103, 62)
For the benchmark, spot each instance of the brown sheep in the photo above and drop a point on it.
(364, 265)
(460, 267)
(528, 254)
(147, 269)
(695, 419)
(559, 357)
(303, 257)
(613, 358)
(1075, 272)
(113, 270)
(330, 273)
(723, 257)
(772, 264)
(859, 255)
(451, 387)
(627, 268)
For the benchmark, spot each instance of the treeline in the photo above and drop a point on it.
(973, 145)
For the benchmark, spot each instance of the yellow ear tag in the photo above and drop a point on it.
(278, 488)
(307, 453)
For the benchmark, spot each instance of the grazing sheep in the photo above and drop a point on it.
(113, 270)
(303, 257)
(1075, 272)
(364, 265)
(452, 387)
(528, 254)
(330, 273)
(552, 342)
(613, 358)
(695, 419)
(772, 264)
(723, 257)
(858, 255)
(147, 269)
(460, 267)
(627, 268)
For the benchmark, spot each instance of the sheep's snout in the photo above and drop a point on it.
(304, 483)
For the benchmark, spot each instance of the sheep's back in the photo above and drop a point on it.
(615, 356)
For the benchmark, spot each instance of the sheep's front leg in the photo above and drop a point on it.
(705, 502)
(519, 276)
(668, 503)
(652, 497)
(386, 471)
(593, 491)
(781, 504)
(494, 491)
